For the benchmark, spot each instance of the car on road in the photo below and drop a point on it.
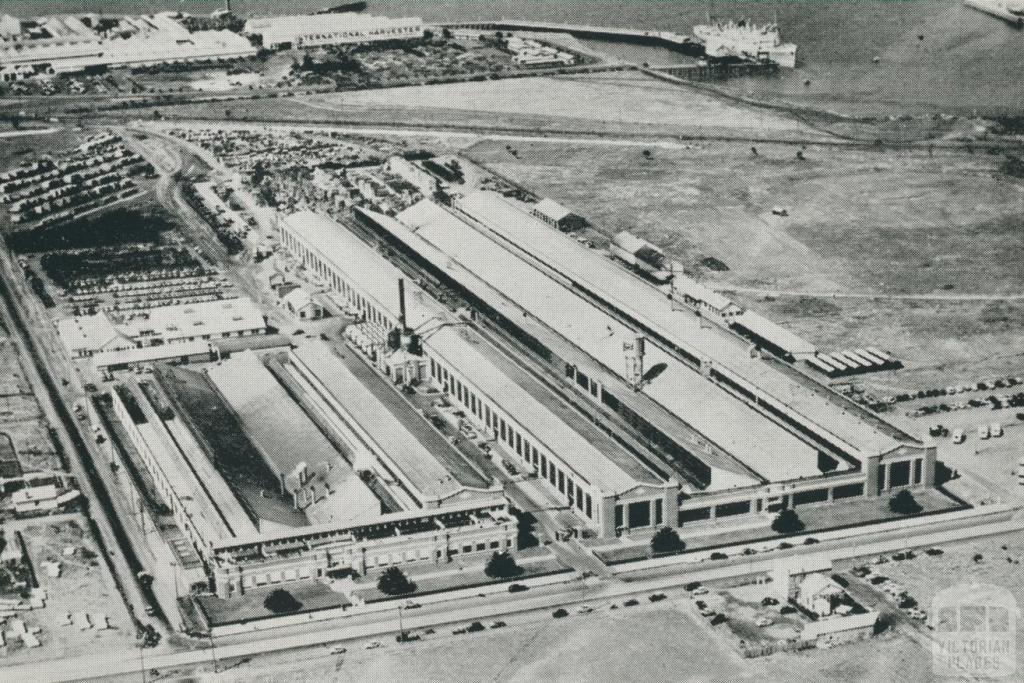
(700, 590)
(338, 650)
(585, 609)
(499, 624)
(374, 644)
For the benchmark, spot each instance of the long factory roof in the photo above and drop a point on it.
(399, 434)
(862, 433)
(594, 455)
(757, 442)
(591, 453)
(377, 277)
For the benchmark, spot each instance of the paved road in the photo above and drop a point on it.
(36, 342)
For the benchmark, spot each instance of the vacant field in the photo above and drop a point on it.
(663, 642)
(84, 585)
(874, 222)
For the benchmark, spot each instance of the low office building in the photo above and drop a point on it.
(104, 332)
(346, 28)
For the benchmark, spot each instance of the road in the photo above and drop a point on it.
(936, 296)
(45, 363)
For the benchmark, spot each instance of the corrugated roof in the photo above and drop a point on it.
(552, 209)
(774, 333)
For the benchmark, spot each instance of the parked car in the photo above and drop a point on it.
(374, 644)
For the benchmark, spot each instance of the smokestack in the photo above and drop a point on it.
(401, 305)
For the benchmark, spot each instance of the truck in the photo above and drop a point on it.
(959, 436)
(983, 432)
(996, 429)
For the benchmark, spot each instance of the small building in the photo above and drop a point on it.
(557, 216)
(819, 594)
(300, 303)
(640, 255)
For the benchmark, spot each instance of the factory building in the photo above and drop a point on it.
(609, 487)
(346, 28)
(773, 439)
(74, 43)
(339, 522)
(557, 216)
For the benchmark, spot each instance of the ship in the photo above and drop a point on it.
(1010, 11)
(746, 41)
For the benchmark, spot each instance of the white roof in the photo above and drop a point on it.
(594, 456)
(91, 333)
(149, 354)
(167, 323)
(298, 299)
(860, 431)
(756, 441)
(552, 209)
(376, 276)
(774, 333)
(813, 584)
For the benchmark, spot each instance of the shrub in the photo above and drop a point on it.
(502, 566)
(394, 582)
(666, 540)
(787, 522)
(903, 503)
(718, 556)
(559, 613)
(281, 602)
(517, 588)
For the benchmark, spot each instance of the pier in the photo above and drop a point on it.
(675, 41)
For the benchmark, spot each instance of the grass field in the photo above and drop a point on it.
(865, 221)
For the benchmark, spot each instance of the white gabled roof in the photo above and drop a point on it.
(298, 299)
(552, 209)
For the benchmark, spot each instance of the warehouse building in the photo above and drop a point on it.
(346, 28)
(74, 43)
(557, 216)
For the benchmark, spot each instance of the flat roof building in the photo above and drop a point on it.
(304, 31)
(103, 332)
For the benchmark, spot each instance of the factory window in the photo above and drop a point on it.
(533, 453)
(495, 545)
(467, 549)
(569, 370)
(730, 509)
(659, 513)
(553, 475)
(481, 546)
(487, 415)
(618, 517)
(543, 466)
(582, 380)
(805, 497)
(694, 515)
(593, 389)
(918, 470)
(899, 474)
(589, 509)
(570, 489)
(561, 481)
(519, 445)
(848, 491)
(881, 477)
(639, 514)
(580, 497)
(502, 428)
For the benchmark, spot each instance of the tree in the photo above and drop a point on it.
(502, 566)
(666, 540)
(903, 503)
(394, 582)
(787, 522)
(281, 602)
